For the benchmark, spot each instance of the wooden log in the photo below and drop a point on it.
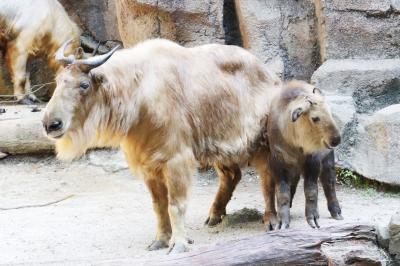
(21, 130)
(337, 245)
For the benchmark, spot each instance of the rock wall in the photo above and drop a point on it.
(186, 22)
(364, 96)
(358, 29)
(282, 33)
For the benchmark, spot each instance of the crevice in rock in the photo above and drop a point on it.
(231, 24)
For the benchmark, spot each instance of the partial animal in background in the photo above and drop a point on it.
(33, 28)
(169, 108)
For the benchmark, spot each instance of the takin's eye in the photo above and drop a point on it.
(84, 85)
(315, 119)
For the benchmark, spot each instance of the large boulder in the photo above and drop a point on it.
(358, 29)
(186, 22)
(97, 18)
(394, 232)
(364, 97)
(22, 131)
(282, 33)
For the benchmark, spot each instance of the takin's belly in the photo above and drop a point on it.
(209, 152)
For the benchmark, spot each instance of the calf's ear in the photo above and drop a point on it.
(301, 108)
(296, 113)
(317, 91)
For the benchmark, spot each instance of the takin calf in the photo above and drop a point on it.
(31, 28)
(299, 140)
(169, 108)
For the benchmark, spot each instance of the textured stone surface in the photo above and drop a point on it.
(95, 17)
(187, 22)
(281, 33)
(394, 231)
(357, 29)
(22, 131)
(364, 97)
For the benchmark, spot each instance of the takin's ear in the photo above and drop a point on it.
(300, 109)
(317, 91)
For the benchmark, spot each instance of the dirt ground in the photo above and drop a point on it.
(107, 214)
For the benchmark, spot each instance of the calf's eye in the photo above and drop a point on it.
(315, 119)
(84, 85)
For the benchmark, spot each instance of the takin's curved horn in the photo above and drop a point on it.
(60, 56)
(96, 61)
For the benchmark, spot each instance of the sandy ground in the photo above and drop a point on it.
(109, 215)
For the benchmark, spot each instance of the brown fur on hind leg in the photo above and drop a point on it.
(229, 177)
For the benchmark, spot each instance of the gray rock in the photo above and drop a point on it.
(280, 33)
(357, 29)
(383, 235)
(95, 17)
(363, 95)
(394, 232)
(187, 22)
(395, 5)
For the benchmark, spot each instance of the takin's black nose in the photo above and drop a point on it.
(53, 125)
(335, 141)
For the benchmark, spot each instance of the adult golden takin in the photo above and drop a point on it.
(169, 108)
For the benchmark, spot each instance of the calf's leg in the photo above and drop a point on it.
(311, 171)
(229, 177)
(328, 180)
(283, 202)
(293, 186)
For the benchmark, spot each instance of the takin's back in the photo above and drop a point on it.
(214, 96)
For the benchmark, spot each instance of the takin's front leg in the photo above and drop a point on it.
(178, 173)
(328, 180)
(229, 177)
(159, 194)
(311, 172)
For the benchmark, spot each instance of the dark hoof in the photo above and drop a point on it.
(213, 221)
(313, 221)
(337, 216)
(157, 244)
(271, 222)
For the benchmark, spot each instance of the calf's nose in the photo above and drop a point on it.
(53, 125)
(335, 141)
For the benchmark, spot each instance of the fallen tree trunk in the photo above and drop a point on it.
(336, 245)
(21, 131)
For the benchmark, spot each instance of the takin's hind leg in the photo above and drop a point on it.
(159, 194)
(178, 173)
(268, 188)
(229, 177)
